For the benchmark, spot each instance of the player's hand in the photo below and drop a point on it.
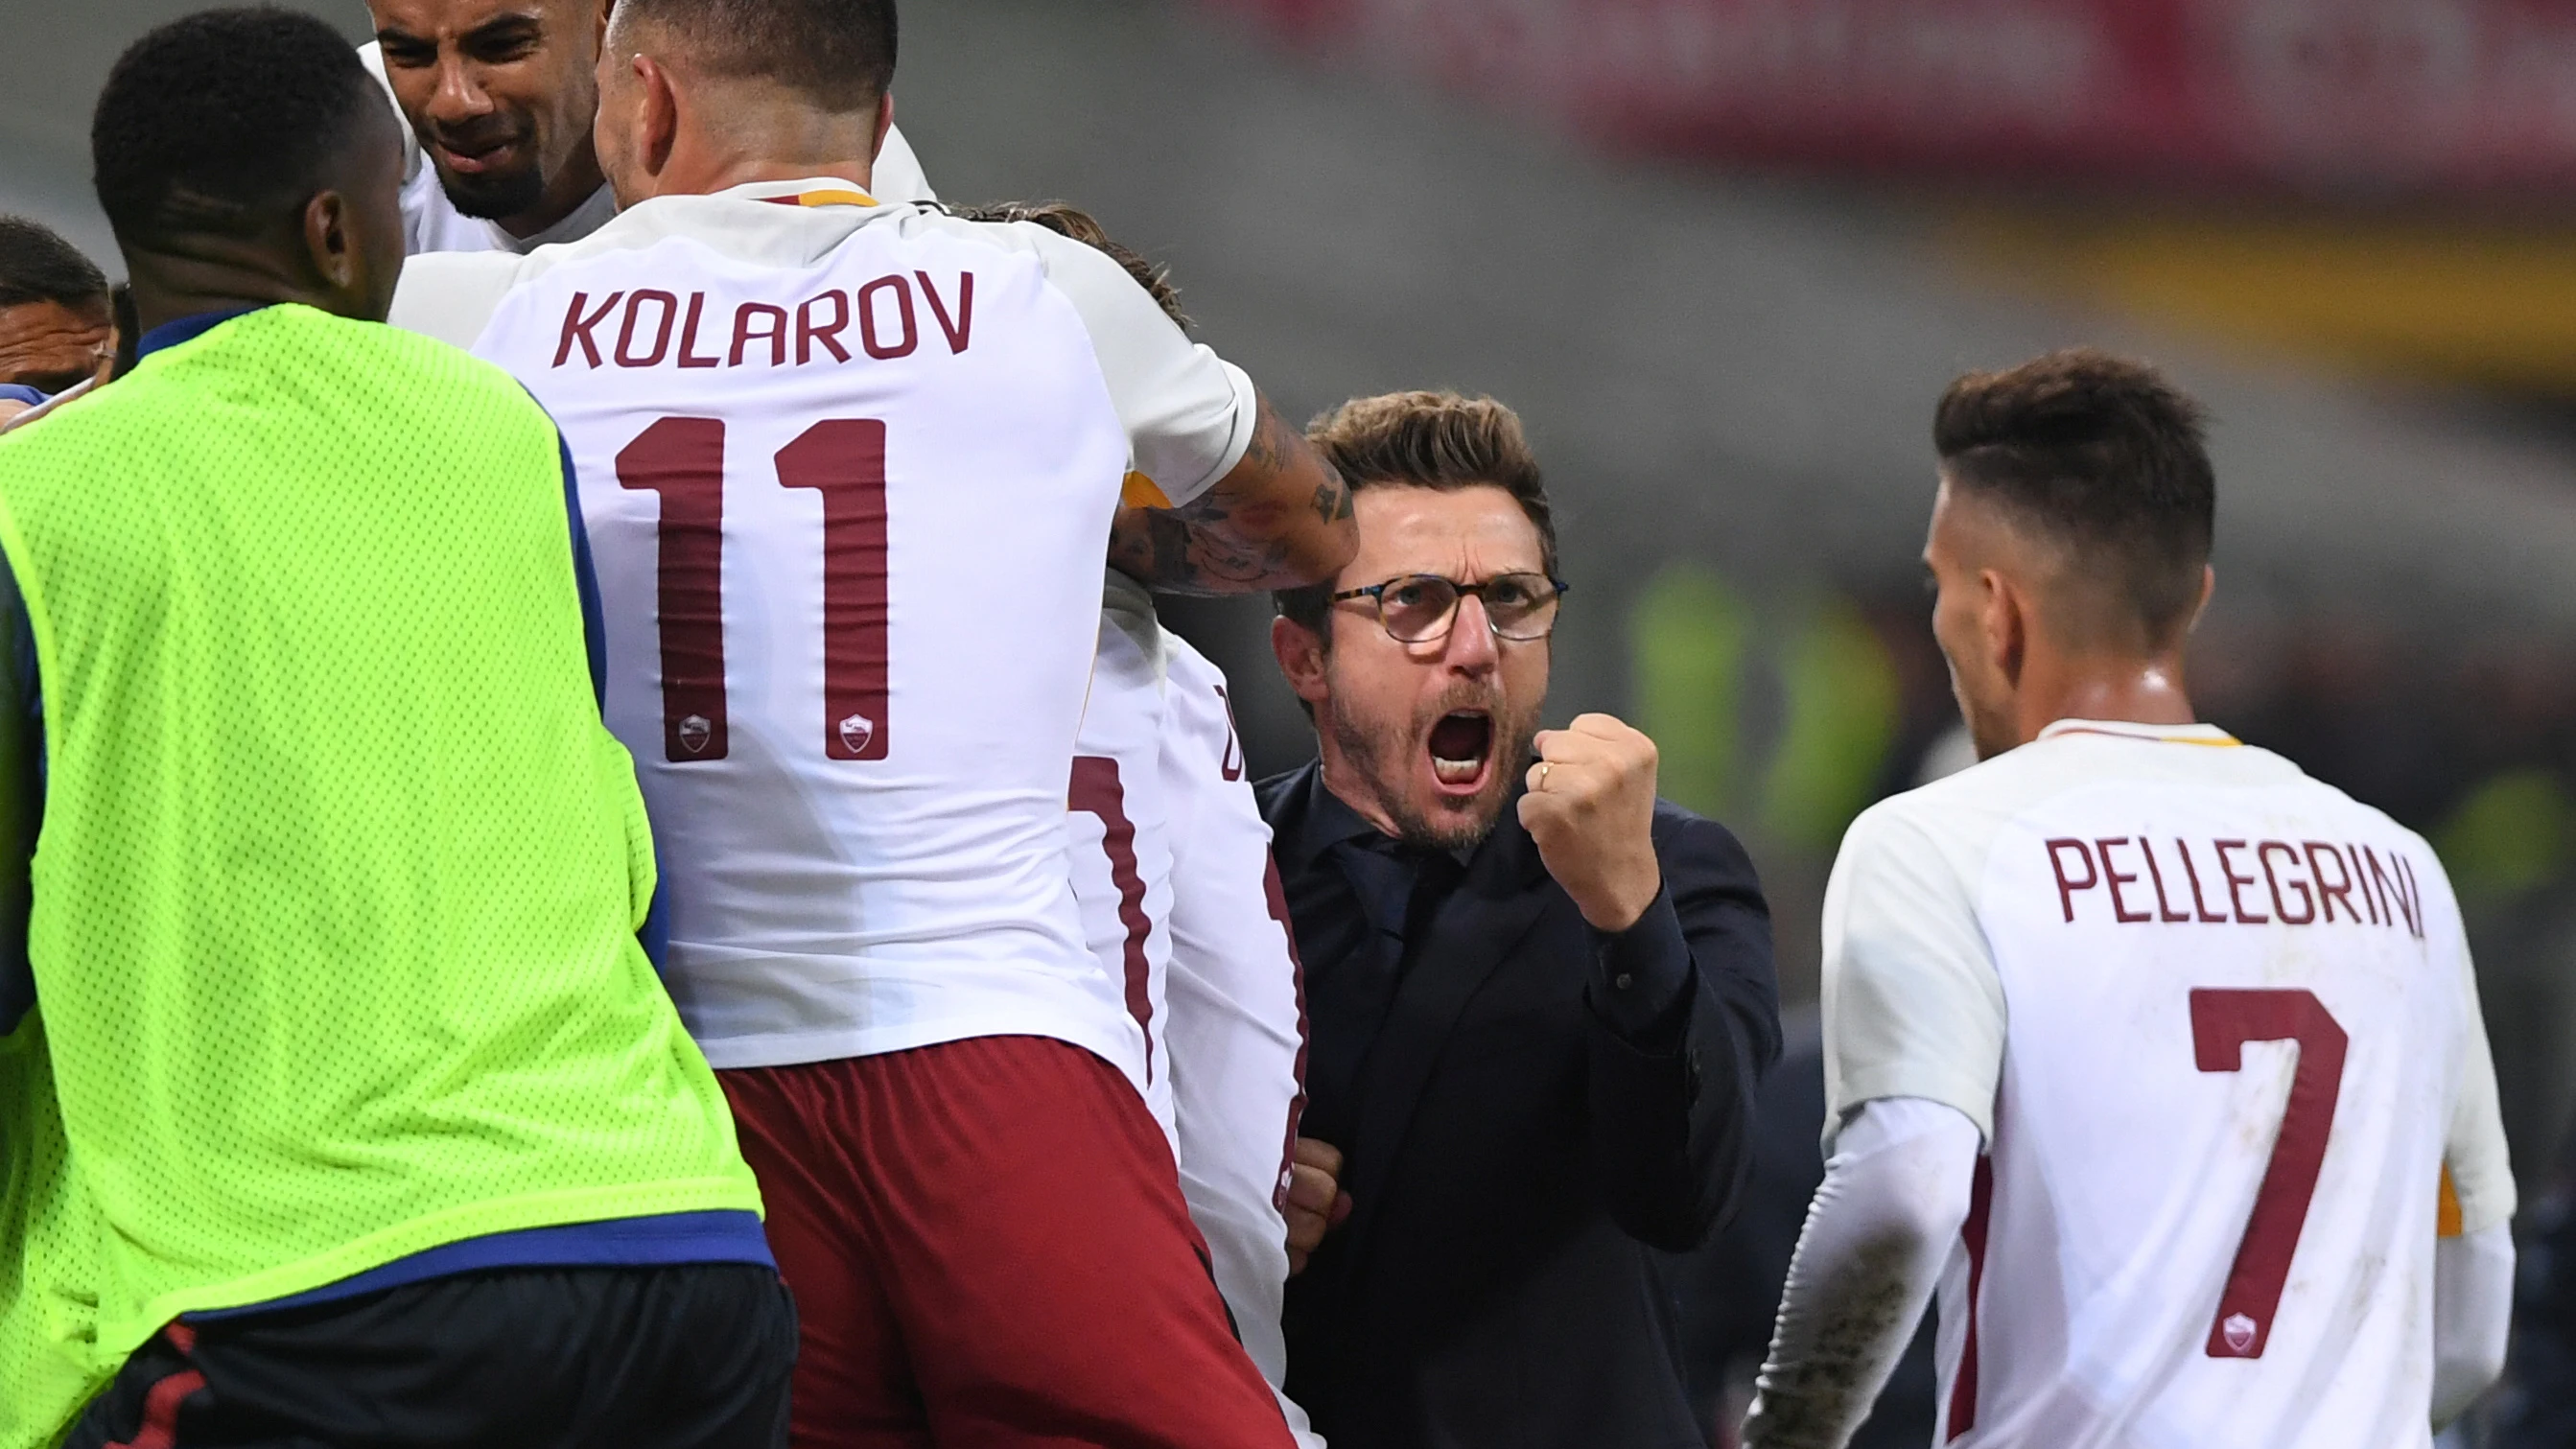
(1316, 1202)
(1591, 808)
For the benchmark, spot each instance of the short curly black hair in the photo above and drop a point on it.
(219, 120)
(37, 265)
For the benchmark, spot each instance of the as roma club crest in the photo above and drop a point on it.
(695, 731)
(856, 731)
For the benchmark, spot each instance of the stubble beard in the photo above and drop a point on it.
(1381, 755)
(491, 198)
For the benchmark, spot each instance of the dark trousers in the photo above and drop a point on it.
(690, 1357)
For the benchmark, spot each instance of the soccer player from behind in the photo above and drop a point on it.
(1171, 870)
(324, 873)
(497, 99)
(2162, 1057)
(856, 467)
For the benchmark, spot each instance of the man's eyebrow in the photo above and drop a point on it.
(502, 26)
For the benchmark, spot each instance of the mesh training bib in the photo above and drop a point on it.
(336, 891)
(49, 1360)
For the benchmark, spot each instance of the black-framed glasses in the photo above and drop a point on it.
(1419, 608)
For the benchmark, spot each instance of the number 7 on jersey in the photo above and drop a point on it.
(2222, 1022)
(841, 459)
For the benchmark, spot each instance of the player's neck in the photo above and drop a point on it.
(705, 170)
(574, 185)
(2131, 691)
(779, 143)
(223, 276)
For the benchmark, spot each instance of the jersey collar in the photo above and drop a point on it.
(815, 191)
(2190, 734)
(185, 329)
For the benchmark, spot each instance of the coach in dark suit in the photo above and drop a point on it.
(1539, 997)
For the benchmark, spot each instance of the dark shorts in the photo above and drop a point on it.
(990, 1251)
(602, 1358)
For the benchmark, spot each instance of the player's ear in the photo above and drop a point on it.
(2200, 606)
(885, 126)
(329, 243)
(1300, 652)
(657, 116)
(2005, 622)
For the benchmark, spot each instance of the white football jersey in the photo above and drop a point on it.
(1236, 1014)
(1170, 860)
(2217, 1023)
(1118, 835)
(848, 472)
(431, 222)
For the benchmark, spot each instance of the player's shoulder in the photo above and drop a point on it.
(1953, 810)
(1058, 257)
(451, 296)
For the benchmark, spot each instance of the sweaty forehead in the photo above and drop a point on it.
(1461, 533)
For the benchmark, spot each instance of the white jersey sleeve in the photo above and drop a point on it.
(1912, 1005)
(1189, 413)
(2477, 1174)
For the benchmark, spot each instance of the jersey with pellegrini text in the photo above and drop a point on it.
(848, 471)
(2217, 1023)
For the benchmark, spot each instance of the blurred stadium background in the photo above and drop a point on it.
(1723, 254)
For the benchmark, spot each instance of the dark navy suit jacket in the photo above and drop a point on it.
(1525, 1133)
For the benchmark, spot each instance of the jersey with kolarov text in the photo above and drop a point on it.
(848, 472)
(1170, 861)
(2217, 1023)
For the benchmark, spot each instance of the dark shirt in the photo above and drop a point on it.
(1359, 957)
(1527, 1107)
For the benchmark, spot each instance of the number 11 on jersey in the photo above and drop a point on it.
(842, 460)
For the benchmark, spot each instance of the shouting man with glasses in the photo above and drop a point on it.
(1539, 997)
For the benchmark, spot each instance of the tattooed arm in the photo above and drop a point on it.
(1281, 518)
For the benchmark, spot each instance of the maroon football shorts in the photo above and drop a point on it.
(988, 1247)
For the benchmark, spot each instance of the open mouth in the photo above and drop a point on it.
(481, 154)
(1461, 744)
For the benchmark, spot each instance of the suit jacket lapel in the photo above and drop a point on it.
(1473, 932)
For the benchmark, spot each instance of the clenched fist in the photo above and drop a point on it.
(1316, 1202)
(1591, 808)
